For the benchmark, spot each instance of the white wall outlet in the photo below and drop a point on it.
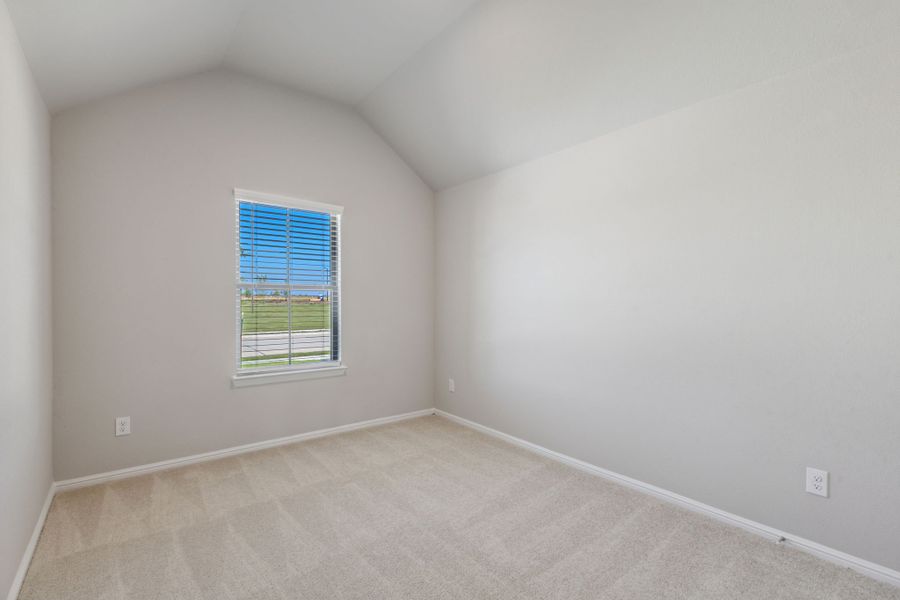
(451, 385)
(123, 426)
(817, 482)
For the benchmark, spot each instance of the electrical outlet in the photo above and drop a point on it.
(123, 426)
(817, 482)
(451, 385)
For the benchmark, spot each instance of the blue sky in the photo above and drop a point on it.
(266, 232)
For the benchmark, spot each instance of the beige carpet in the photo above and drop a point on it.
(420, 509)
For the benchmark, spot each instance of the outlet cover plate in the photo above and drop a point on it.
(817, 482)
(123, 426)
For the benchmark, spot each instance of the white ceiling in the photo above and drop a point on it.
(517, 79)
(84, 49)
(460, 88)
(340, 49)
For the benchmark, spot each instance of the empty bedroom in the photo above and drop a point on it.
(449, 299)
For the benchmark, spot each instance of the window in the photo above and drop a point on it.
(288, 284)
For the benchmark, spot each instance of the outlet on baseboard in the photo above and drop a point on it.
(817, 482)
(451, 385)
(123, 426)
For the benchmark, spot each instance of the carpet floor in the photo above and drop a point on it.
(420, 509)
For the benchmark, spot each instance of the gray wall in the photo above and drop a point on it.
(25, 351)
(706, 301)
(144, 269)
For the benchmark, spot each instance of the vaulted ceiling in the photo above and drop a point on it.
(340, 49)
(460, 88)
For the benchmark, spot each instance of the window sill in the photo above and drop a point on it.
(238, 381)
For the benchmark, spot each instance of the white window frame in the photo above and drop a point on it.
(315, 370)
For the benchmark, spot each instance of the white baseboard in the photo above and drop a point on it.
(875, 571)
(860, 565)
(70, 484)
(32, 544)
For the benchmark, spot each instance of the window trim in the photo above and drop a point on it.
(287, 201)
(286, 375)
(314, 370)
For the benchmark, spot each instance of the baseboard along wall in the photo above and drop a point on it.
(99, 478)
(870, 569)
(77, 482)
(32, 544)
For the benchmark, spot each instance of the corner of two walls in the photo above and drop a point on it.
(681, 301)
(705, 301)
(144, 269)
(139, 279)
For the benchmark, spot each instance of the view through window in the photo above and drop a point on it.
(288, 285)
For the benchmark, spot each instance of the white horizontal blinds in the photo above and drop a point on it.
(288, 284)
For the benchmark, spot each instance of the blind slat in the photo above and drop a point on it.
(296, 320)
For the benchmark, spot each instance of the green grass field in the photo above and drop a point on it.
(259, 316)
(277, 360)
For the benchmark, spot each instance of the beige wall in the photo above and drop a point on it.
(25, 346)
(707, 301)
(144, 269)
